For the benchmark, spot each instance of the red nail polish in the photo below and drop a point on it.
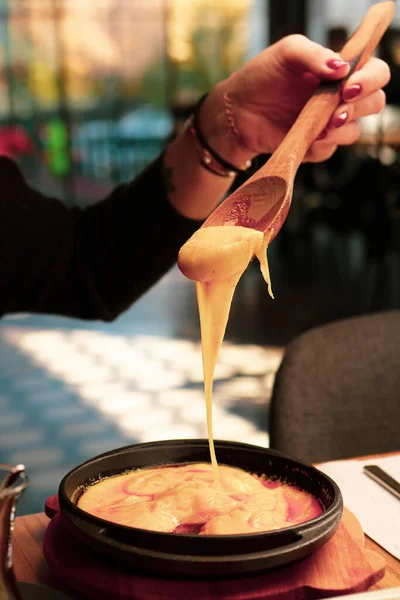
(335, 63)
(352, 91)
(322, 135)
(340, 119)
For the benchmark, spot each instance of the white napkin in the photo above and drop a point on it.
(377, 509)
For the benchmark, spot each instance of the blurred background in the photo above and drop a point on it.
(90, 92)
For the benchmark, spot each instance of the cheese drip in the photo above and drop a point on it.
(216, 257)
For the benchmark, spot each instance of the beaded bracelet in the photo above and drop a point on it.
(210, 160)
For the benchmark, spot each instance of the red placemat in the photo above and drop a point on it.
(342, 565)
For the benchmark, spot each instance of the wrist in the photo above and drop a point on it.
(210, 159)
(217, 124)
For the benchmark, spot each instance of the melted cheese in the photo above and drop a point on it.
(216, 257)
(185, 499)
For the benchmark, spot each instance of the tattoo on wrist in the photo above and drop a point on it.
(168, 180)
(229, 114)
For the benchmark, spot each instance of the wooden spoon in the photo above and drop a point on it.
(263, 201)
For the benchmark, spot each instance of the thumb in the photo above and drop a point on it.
(300, 55)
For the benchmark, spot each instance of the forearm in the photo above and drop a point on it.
(90, 264)
(94, 264)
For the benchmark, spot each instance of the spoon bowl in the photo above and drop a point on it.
(250, 209)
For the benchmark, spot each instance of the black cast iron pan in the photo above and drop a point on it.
(183, 554)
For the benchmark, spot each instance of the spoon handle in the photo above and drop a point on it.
(316, 113)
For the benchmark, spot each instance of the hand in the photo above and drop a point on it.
(268, 93)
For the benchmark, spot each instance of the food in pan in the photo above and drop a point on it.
(186, 499)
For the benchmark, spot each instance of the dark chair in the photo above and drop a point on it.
(337, 391)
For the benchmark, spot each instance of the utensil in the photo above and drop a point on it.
(12, 486)
(184, 554)
(384, 479)
(263, 201)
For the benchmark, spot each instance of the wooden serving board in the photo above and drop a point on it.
(342, 566)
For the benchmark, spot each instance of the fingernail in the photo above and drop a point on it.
(340, 119)
(352, 91)
(322, 135)
(335, 63)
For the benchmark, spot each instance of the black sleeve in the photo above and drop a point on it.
(88, 263)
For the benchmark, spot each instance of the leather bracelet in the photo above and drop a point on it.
(210, 159)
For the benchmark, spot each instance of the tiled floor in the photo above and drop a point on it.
(70, 390)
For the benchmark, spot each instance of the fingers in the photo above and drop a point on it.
(299, 55)
(375, 74)
(365, 98)
(369, 105)
(319, 152)
(324, 148)
(344, 136)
